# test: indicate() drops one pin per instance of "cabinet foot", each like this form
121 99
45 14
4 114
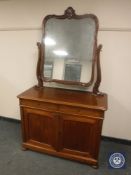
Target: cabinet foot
95 166
24 149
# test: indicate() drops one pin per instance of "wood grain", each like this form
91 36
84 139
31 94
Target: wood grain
63 123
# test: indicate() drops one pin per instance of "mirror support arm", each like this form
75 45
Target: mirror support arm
39 68
98 67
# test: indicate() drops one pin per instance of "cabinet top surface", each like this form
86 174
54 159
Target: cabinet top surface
67 97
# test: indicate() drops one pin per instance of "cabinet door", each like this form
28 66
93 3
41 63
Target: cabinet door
39 128
80 136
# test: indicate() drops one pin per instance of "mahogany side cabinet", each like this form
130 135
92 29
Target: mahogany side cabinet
63 123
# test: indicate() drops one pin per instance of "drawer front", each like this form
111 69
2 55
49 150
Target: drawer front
39 105
81 111
75 110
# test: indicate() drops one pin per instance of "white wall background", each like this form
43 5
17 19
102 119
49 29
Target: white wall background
20 29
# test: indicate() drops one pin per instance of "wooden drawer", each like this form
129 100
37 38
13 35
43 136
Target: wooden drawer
39 105
62 108
80 111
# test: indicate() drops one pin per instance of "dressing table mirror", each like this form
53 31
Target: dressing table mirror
68 52
59 121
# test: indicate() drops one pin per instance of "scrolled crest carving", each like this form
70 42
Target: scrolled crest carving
69 12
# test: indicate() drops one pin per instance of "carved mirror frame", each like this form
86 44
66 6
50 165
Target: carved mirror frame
70 14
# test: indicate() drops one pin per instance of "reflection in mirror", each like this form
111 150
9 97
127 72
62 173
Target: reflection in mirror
48 69
72 72
69 45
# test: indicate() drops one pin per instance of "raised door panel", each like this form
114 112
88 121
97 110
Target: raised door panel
80 136
40 128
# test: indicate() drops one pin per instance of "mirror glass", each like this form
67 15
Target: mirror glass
69 45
